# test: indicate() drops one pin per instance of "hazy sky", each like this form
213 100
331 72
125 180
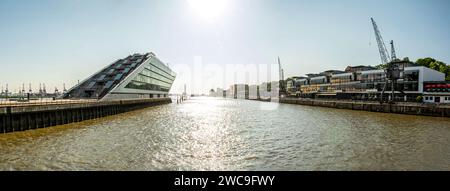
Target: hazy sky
62 41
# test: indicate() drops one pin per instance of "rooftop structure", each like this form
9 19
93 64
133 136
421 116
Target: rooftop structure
359 68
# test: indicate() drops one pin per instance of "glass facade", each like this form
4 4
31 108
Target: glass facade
155 77
374 77
342 79
319 80
411 75
364 82
137 76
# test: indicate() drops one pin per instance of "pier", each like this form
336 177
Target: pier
26 116
436 110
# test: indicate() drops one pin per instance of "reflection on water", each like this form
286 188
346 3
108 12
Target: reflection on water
224 134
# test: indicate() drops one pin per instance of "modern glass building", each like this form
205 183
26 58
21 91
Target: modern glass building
134 77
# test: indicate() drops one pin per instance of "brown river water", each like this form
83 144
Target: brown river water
226 134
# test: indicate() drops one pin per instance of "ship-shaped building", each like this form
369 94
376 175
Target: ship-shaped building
137 76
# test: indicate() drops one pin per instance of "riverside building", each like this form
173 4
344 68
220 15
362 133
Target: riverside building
137 76
363 83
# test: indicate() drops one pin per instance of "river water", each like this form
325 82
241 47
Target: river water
226 134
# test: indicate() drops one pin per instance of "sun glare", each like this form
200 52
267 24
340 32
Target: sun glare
208 9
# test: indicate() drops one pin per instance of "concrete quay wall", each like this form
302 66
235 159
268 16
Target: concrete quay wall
22 118
400 108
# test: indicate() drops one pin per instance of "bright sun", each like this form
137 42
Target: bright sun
208 9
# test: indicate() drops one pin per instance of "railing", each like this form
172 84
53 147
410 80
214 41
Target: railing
14 103
45 101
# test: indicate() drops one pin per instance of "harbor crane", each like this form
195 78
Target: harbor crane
393 67
393 54
282 88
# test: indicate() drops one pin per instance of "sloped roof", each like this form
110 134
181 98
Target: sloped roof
102 82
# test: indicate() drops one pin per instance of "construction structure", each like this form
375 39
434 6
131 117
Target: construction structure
282 85
394 67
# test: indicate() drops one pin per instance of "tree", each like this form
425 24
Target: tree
435 65
381 66
425 61
429 63
419 99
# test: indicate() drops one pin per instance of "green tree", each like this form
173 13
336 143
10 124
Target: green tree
425 61
381 66
419 99
435 65
429 63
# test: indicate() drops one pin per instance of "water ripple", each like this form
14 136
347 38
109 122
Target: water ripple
221 134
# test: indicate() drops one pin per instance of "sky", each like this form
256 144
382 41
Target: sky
63 41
